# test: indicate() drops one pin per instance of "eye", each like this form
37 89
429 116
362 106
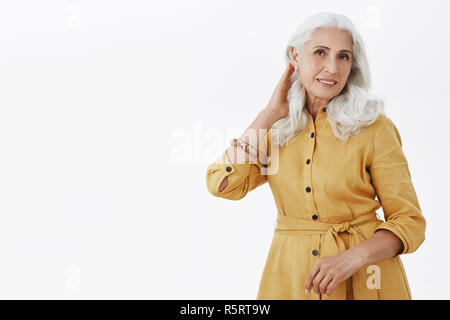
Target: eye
344 56
319 51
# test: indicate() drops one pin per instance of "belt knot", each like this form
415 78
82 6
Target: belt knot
341 227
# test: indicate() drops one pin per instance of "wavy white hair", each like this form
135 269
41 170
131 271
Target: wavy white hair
353 108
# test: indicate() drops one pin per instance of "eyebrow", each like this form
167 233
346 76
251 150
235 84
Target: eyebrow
343 50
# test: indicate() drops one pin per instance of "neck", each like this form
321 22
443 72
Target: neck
314 104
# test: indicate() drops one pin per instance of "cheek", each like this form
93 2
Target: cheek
309 73
314 67
307 78
310 66
345 71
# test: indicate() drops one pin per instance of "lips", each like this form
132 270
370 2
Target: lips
326 82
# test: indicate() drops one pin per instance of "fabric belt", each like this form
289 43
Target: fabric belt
333 244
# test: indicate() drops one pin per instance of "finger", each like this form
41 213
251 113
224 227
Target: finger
310 277
325 282
331 287
316 281
290 68
285 82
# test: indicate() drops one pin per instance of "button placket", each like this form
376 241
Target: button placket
308 176
315 243
315 125
308 161
316 246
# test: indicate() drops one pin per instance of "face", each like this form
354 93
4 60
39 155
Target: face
324 64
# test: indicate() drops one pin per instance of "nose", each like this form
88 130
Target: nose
331 65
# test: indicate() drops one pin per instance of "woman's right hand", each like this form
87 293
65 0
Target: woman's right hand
279 103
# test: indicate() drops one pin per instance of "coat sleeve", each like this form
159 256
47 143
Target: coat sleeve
242 177
392 181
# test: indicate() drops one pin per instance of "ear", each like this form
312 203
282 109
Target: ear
294 57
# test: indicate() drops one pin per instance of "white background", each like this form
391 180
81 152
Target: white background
110 112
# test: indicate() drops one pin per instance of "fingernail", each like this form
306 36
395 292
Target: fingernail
306 291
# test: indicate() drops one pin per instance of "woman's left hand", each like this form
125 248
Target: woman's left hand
328 272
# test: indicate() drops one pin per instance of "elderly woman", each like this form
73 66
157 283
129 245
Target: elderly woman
327 150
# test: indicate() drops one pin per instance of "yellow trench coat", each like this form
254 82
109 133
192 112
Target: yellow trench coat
324 190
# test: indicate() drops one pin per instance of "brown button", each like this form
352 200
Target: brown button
315 252
314 216
308 161
312 134
308 189
228 169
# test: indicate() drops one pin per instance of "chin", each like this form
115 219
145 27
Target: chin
325 95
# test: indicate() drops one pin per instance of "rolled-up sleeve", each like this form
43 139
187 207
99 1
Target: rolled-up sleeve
391 179
242 177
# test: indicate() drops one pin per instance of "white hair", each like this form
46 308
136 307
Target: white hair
353 108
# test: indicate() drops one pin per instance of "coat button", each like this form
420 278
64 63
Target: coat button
315 252
308 189
228 169
314 216
312 134
308 161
